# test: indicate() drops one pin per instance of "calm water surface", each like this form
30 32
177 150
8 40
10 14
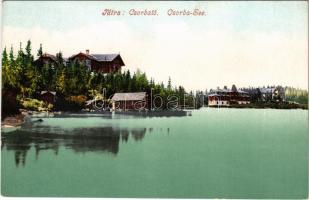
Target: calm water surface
215 153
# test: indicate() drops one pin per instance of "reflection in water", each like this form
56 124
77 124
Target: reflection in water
138 134
98 139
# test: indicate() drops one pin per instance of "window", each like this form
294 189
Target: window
88 64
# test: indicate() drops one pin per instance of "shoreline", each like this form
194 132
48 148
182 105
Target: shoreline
13 121
284 106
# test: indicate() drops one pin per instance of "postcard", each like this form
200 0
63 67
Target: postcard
154 99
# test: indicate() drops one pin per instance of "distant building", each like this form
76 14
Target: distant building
273 93
106 63
46 59
48 97
130 101
226 97
49 59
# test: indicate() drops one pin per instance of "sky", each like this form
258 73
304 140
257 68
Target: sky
242 43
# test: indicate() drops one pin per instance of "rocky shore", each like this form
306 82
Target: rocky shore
13 121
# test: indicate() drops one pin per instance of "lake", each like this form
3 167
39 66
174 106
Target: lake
215 153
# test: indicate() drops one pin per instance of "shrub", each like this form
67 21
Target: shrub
50 106
71 103
79 100
35 105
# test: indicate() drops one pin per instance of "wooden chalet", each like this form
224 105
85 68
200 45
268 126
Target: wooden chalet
49 59
46 59
106 63
226 97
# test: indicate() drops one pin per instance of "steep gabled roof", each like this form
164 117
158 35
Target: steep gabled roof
88 56
107 57
134 96
50 56
229 90
52 92
46 55
242 92
104 57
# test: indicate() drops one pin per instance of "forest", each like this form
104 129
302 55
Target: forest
23 80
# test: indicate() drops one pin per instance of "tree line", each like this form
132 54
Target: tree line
23 78
296 95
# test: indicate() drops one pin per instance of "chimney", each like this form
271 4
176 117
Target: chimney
87 51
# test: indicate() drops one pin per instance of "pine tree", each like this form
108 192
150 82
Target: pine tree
28 56
20 57
169 84
40 51
5 60
60 83
59 59
234 89
11 57
128 83
46 76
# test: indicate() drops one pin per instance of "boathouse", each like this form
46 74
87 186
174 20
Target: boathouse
130 101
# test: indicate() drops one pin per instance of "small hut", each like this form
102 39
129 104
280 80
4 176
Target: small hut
48 96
